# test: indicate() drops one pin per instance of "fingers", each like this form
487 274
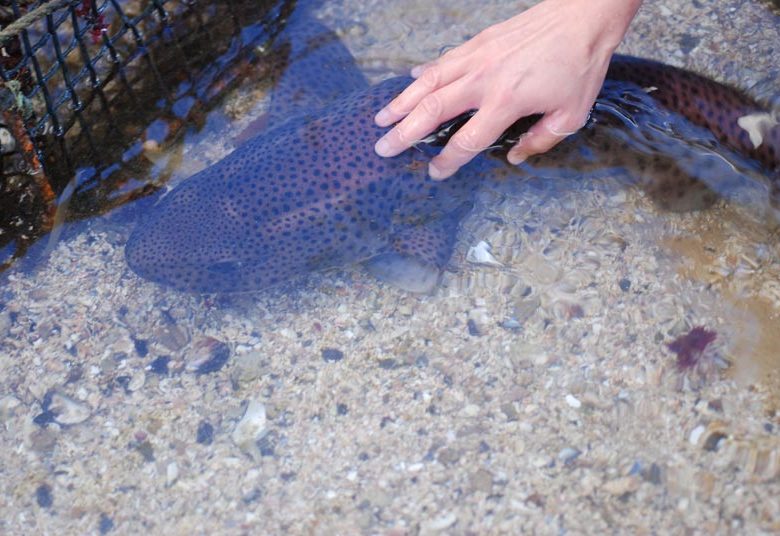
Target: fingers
432 77
543 136
433 110
474 137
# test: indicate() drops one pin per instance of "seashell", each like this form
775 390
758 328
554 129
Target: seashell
758 457
480 254
66 410
251 426
208 355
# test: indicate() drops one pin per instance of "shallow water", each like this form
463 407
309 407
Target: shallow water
533 394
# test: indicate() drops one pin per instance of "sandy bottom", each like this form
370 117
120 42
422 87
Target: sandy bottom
534 394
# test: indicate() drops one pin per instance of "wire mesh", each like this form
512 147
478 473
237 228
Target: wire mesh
82 82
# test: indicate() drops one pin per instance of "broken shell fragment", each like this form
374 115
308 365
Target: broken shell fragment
480 254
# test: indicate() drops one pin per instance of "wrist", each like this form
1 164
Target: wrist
613 17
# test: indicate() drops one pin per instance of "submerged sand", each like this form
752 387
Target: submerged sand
534 394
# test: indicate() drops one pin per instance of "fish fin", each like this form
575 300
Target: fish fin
315 68
418 254
405 273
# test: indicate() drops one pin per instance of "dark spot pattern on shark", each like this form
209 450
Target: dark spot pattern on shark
309 193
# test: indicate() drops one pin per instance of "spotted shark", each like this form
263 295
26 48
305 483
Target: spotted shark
308 193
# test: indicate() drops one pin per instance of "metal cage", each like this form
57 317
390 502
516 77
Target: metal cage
81 81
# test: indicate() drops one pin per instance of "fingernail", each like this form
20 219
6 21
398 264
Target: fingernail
417 70
436 173
383 118
382 147
516 158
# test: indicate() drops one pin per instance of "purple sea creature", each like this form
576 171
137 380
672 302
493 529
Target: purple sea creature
690 347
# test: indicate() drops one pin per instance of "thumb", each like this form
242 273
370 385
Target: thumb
543 136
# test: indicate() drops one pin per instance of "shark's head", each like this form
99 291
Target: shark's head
192 239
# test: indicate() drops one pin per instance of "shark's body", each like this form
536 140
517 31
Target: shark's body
309 193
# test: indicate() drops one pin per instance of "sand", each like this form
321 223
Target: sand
534 394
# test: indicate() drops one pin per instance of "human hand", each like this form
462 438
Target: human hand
550 59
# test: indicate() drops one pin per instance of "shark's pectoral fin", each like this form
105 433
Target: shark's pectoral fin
418 254
406 273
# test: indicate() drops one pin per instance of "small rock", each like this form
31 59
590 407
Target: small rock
573 401
141 347
341 409
160 365
8 405
696 433
251 427
387 364
568 455
448 456
508 409
5 323
472 327
511 324
439 524
622 485
106 524
524 309
267 444
331 355
208 355
171 337
43 441
43 496
137 382
652 474
250 366
205 433
146 450
624 284
171 474
482 481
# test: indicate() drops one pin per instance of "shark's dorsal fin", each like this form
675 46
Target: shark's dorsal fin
315 68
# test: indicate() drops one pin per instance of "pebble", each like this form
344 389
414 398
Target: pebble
696 433
106 524
511 324
573 401
205 433
160 365
5 323
482 480
251 426
141 347
624 284
171 474
439 524
331 355
524 309
137 381
569 454
43 441
472 327
7 406
448 456
171 337
622 485
43 496
250 366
